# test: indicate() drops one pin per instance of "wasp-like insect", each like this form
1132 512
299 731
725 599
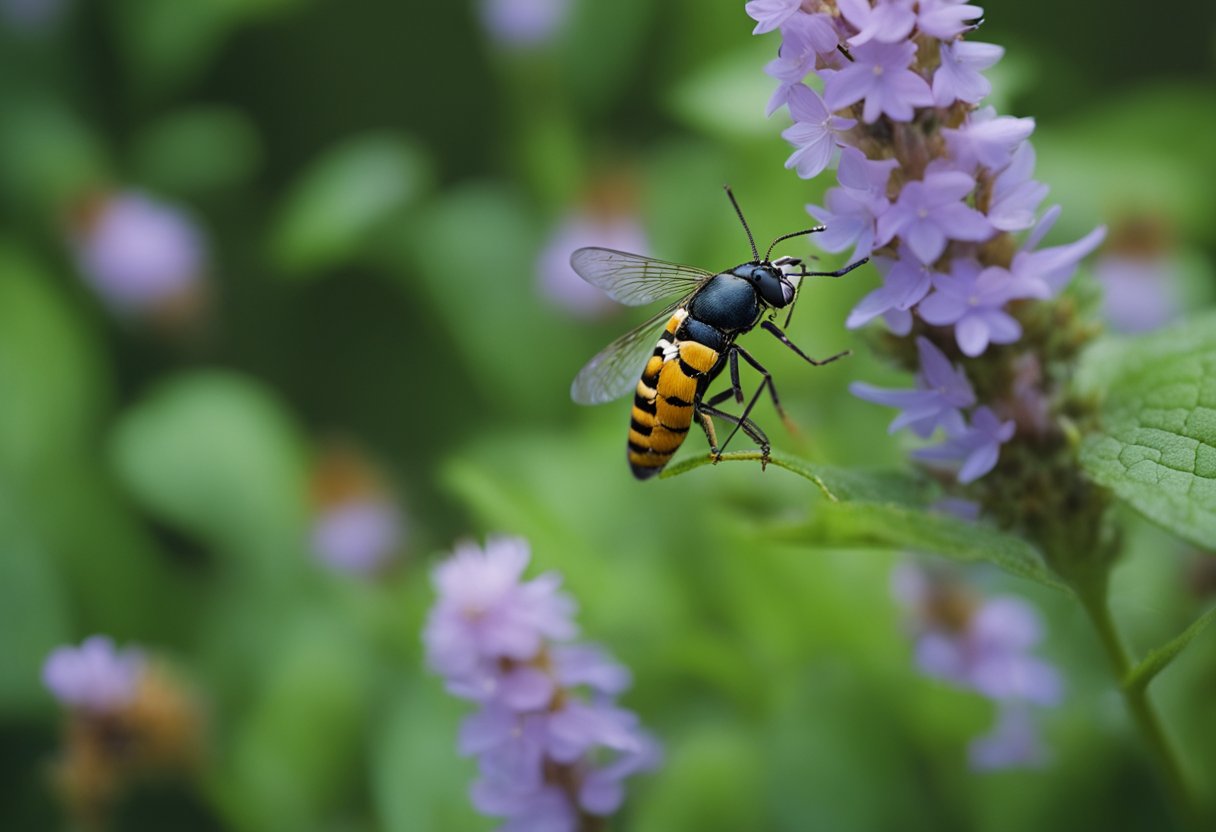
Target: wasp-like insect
698 341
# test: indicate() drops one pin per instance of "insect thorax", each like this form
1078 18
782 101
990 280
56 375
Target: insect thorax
726 302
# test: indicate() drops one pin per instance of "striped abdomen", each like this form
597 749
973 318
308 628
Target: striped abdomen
675 376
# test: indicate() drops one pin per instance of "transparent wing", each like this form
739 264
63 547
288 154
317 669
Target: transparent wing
615 370
633 279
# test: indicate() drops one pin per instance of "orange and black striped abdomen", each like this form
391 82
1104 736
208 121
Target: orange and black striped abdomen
675 376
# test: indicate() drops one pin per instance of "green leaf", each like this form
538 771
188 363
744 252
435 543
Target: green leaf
884 525
1157 445
343 198
218 455
1159 658
888 509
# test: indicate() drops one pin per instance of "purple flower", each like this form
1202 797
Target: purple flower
931 212
138 252
973 302
486 614
942 390
769 14
1015 196
523 23
905 283
880 76
814 132
358 536
558 282
975 448
887 21
959 77
1054 266
803 38
94 677
1012 743
987 140
851 210
944 19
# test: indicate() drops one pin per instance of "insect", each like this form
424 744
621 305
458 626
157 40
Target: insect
697 342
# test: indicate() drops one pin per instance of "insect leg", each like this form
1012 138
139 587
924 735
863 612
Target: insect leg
783 338
742 421
707 425
749 427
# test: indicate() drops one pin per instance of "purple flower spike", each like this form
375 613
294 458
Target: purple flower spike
959 77
814 132
929 213
804 37
95 676
976 448
887 21
987 140
880 76
1015 196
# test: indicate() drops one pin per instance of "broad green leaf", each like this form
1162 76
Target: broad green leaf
1157 445
196 150
343 197
1159 658
885 525
217 454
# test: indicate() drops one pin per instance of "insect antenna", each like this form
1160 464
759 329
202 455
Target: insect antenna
750 239
784 237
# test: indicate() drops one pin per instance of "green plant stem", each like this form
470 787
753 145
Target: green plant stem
1093 597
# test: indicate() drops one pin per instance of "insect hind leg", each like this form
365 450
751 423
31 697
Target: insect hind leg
753 431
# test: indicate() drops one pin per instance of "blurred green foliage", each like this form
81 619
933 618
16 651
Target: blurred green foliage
155 486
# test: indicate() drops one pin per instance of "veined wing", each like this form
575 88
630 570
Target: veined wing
616 368
632 279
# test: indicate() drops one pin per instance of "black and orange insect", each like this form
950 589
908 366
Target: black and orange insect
698 341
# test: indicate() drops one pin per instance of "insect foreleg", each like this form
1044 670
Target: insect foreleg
783 338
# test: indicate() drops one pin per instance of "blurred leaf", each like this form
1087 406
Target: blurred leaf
296 750
1157 445
217 454
1159 659
343 197
168 43
727 94
892 526
601 52
48 156
33 616
419 784
51 379
196 150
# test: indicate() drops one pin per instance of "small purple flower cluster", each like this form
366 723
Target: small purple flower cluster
553 747
95 677
929 186
982 645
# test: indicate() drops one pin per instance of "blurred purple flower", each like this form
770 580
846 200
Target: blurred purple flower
1012 743
95 676
814 132
769 14
975 447
1140 293
551 743
523 23
558 281
931 212
942 391
138 252
358 536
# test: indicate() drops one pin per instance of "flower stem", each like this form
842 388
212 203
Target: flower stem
1093 597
